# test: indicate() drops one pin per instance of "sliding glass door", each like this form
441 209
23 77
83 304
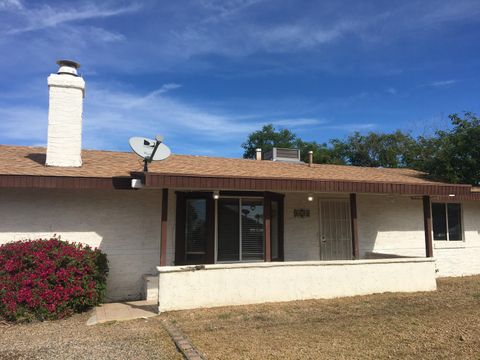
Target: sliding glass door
232 228
196 229
252 230
228 230
240 229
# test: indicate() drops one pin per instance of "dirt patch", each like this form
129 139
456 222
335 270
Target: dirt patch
73 339
430 325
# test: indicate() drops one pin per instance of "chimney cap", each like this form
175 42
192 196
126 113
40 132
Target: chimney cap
68 67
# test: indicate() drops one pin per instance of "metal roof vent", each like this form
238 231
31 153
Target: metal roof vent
280 154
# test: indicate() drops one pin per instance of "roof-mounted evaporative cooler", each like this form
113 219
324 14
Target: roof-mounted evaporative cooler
280 154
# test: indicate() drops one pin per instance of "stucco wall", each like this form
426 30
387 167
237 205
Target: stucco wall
124 224
238 284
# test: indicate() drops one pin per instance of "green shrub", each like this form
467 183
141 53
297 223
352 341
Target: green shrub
49 279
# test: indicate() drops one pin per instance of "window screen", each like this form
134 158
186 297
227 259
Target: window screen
252 229
454 222
240 229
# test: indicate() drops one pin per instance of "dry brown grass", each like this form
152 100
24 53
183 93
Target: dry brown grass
437 325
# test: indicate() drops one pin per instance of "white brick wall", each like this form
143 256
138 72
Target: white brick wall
464 260
387 224
301 241
301 235
124 224
394 225
390 225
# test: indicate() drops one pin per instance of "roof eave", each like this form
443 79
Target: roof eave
187 181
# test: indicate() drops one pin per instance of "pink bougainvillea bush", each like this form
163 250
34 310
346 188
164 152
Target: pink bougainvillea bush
49 279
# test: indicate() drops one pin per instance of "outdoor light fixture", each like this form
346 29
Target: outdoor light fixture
310 198
451 195
216 195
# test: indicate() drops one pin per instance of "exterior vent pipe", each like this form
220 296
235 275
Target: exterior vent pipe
310 158
258 154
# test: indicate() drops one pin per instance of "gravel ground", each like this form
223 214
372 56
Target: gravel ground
73 339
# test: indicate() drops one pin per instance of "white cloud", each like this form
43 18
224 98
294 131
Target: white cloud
300 122
122 113
8 5
350 127
283 37
46 16
242 38
442 83
105 35
452 11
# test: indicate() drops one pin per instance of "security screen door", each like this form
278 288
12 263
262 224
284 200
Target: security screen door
335 231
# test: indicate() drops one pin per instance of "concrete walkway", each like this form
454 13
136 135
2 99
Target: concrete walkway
123 311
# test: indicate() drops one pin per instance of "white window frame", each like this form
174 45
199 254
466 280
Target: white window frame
240 260
448 241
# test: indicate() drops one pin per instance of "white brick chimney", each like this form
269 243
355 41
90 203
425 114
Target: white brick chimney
66 92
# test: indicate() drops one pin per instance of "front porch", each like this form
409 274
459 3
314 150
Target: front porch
215 227
224 248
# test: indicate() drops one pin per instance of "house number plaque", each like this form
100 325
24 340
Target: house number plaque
301 213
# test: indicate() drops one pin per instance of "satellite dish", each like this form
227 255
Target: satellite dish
150 150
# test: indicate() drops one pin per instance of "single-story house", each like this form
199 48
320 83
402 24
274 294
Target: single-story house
196 231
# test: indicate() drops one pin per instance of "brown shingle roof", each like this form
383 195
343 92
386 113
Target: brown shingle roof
24 160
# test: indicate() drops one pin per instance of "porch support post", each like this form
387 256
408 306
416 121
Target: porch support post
427 225
266 220
163 231
354 225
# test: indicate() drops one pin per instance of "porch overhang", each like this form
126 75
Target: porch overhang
187 181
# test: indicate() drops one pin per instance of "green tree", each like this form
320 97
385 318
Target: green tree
322 153
393 150
453 155
267 138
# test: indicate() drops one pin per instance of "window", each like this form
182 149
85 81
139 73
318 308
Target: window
240 229
447 221
196 229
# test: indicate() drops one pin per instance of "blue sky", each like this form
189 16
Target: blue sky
206 73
